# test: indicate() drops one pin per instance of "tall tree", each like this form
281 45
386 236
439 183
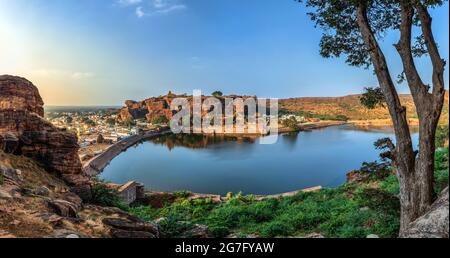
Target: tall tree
353 28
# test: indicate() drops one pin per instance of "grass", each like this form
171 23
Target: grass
347 211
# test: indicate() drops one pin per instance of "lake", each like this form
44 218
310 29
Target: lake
218 164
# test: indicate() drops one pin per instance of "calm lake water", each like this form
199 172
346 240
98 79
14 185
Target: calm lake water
220 164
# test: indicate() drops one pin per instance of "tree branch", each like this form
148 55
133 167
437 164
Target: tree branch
436 60
415 83
396 110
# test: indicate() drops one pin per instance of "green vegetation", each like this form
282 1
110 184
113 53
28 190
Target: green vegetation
88 121
441 135
111 121
129 123
441 169
107 196
161 119
347 211
1 179
217 93
372 98
312 115
291 123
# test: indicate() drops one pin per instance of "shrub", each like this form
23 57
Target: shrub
441 169
291 123
441 135
161 119
106 196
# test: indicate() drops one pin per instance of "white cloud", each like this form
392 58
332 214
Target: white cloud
139 12
152 7
82 75
128 2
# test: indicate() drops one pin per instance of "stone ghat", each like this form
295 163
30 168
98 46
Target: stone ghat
96 165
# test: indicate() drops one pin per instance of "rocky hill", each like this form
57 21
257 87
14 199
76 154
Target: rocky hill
348 106
43 192
157 109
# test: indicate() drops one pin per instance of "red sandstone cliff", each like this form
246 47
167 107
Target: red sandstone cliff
23 131
156 107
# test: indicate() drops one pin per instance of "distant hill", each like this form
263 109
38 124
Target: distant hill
349 106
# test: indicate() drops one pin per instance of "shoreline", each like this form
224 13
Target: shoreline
95 165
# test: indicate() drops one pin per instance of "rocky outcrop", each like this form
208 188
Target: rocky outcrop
435 222
18 93
131 227
23 131
157 108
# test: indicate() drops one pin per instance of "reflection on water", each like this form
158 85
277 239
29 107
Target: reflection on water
197 141
221 164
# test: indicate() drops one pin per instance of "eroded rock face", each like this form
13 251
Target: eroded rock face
435 223
18 93
23 131
159 107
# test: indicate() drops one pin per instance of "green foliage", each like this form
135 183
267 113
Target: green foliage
181 194
217 94
88 121
161 119
107 196
291 123
111 121
390 185
441 169
441 135
342 36
2 180
332 212
129 122
372 98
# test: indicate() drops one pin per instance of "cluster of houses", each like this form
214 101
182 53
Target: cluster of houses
300 119
88 126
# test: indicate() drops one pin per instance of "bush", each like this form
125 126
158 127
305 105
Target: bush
106 196
441 135
161 119
291 123
441 169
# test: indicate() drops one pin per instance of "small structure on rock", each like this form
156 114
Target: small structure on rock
129 192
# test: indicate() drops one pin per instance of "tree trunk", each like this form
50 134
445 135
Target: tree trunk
415 174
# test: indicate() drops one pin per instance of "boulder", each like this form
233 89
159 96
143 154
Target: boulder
80 185
197 231
357 176
9 142
131 227
11 176
67 207
18 93
434 223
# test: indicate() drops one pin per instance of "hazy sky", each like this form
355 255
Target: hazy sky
85 52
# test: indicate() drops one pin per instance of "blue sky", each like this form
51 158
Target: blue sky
84 52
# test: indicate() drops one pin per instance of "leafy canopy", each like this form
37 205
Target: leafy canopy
341 36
